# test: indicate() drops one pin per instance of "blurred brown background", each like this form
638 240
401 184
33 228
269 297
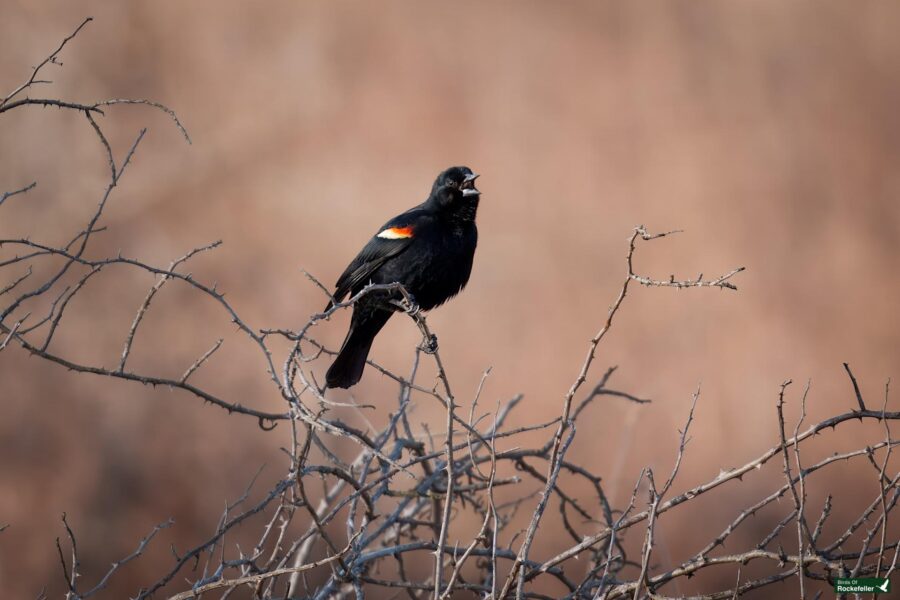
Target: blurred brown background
768 131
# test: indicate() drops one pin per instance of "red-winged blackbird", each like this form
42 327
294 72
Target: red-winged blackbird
429 249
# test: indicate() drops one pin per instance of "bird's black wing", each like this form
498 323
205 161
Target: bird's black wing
392 238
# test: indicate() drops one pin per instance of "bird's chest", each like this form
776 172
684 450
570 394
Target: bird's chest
444 266
449 247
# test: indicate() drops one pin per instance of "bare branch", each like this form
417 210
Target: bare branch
859 398
23 190
50 59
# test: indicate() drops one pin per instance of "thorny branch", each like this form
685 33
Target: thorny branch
332 527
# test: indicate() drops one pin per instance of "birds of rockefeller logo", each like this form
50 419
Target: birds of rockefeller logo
862 585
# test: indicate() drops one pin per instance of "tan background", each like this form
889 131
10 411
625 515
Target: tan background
769 131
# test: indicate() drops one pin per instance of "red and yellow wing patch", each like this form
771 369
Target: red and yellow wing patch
396 233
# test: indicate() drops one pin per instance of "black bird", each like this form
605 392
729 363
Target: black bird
429 249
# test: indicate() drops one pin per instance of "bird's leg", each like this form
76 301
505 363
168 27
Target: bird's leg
408 305
412 307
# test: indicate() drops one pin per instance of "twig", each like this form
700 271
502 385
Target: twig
23 190
859 398
50 59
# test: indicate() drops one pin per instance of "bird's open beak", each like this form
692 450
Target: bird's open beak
468 186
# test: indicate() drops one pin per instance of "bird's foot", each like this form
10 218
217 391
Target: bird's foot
410 306
407 305
429 345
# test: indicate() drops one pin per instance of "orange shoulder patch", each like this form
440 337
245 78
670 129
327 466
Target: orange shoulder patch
396 233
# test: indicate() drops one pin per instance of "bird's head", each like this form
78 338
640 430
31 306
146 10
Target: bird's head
461 179
454 191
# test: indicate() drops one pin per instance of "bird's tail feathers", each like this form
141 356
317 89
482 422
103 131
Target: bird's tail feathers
347 368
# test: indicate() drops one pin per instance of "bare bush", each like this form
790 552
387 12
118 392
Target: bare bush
332 527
